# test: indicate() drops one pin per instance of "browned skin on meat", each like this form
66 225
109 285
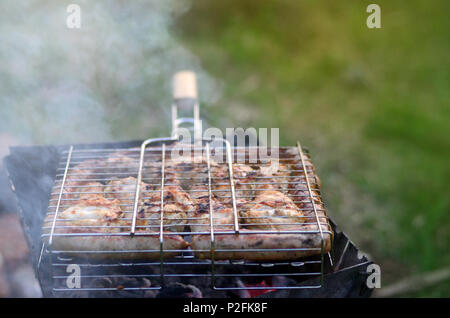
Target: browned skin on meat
271 210
222 215
275 173
89 216
72 194
176 203
243 177
298 189
79 179
187 170
124 189
177 207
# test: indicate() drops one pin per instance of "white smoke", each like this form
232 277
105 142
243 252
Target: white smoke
108 80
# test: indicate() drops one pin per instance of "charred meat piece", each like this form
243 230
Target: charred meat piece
177 206
179 290
187 170
96 215
80 183
118 165
271 210
244 179
72 193
274 175
125 190
298 188
200 219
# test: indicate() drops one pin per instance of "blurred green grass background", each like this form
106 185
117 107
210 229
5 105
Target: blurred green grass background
372 105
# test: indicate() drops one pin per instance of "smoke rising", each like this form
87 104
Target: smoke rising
108 80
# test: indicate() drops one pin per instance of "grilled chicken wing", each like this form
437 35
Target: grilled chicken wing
72 193
201 222
92 215
125 190
244 178
271 210
177 205
274 174
79 183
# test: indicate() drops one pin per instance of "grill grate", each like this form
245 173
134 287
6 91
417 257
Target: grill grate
155 168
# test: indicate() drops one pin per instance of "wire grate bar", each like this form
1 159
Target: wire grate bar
232 186
69 156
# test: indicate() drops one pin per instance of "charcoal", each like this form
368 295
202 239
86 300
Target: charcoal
179 290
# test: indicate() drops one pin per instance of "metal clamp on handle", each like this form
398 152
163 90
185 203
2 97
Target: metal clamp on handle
185 97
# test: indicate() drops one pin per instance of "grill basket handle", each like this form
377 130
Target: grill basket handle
184 85
185 98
